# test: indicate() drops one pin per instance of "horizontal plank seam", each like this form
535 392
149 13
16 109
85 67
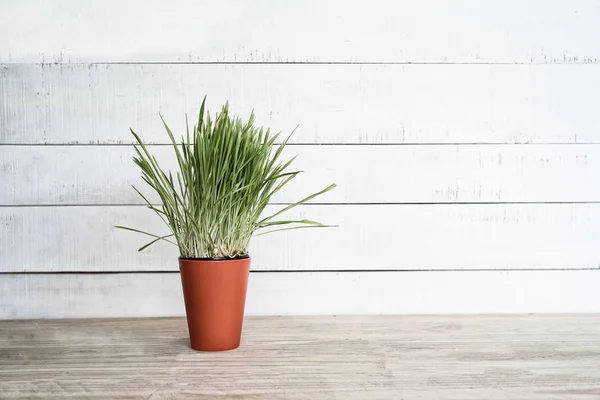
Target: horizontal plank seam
468 203
578 61
301 271
408 144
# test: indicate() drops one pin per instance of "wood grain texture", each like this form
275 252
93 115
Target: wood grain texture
48 175
386 357
300 31
24 296
331 103
368 237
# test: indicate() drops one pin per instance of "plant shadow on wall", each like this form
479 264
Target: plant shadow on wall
214 204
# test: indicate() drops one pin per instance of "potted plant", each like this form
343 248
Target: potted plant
213 205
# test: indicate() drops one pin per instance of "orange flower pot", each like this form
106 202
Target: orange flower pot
214 292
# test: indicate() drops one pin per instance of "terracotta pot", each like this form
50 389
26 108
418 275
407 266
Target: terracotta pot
215 295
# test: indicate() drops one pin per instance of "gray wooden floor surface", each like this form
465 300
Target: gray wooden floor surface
376 357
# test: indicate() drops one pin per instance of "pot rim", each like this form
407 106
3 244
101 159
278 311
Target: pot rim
215 258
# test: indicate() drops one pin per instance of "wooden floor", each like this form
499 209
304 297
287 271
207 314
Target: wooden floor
378 357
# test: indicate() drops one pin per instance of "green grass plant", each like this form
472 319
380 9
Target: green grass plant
228 172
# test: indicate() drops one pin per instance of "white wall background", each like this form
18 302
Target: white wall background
464 137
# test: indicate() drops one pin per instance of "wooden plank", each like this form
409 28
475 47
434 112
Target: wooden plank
383 357
369 237
332 103
301 31
307 293
42 175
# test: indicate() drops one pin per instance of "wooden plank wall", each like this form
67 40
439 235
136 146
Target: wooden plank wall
464 138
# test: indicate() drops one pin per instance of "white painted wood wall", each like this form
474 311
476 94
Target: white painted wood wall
464 137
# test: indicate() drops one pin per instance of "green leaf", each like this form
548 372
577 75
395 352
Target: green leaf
145 233
295 227
154 241
300 221
304 200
